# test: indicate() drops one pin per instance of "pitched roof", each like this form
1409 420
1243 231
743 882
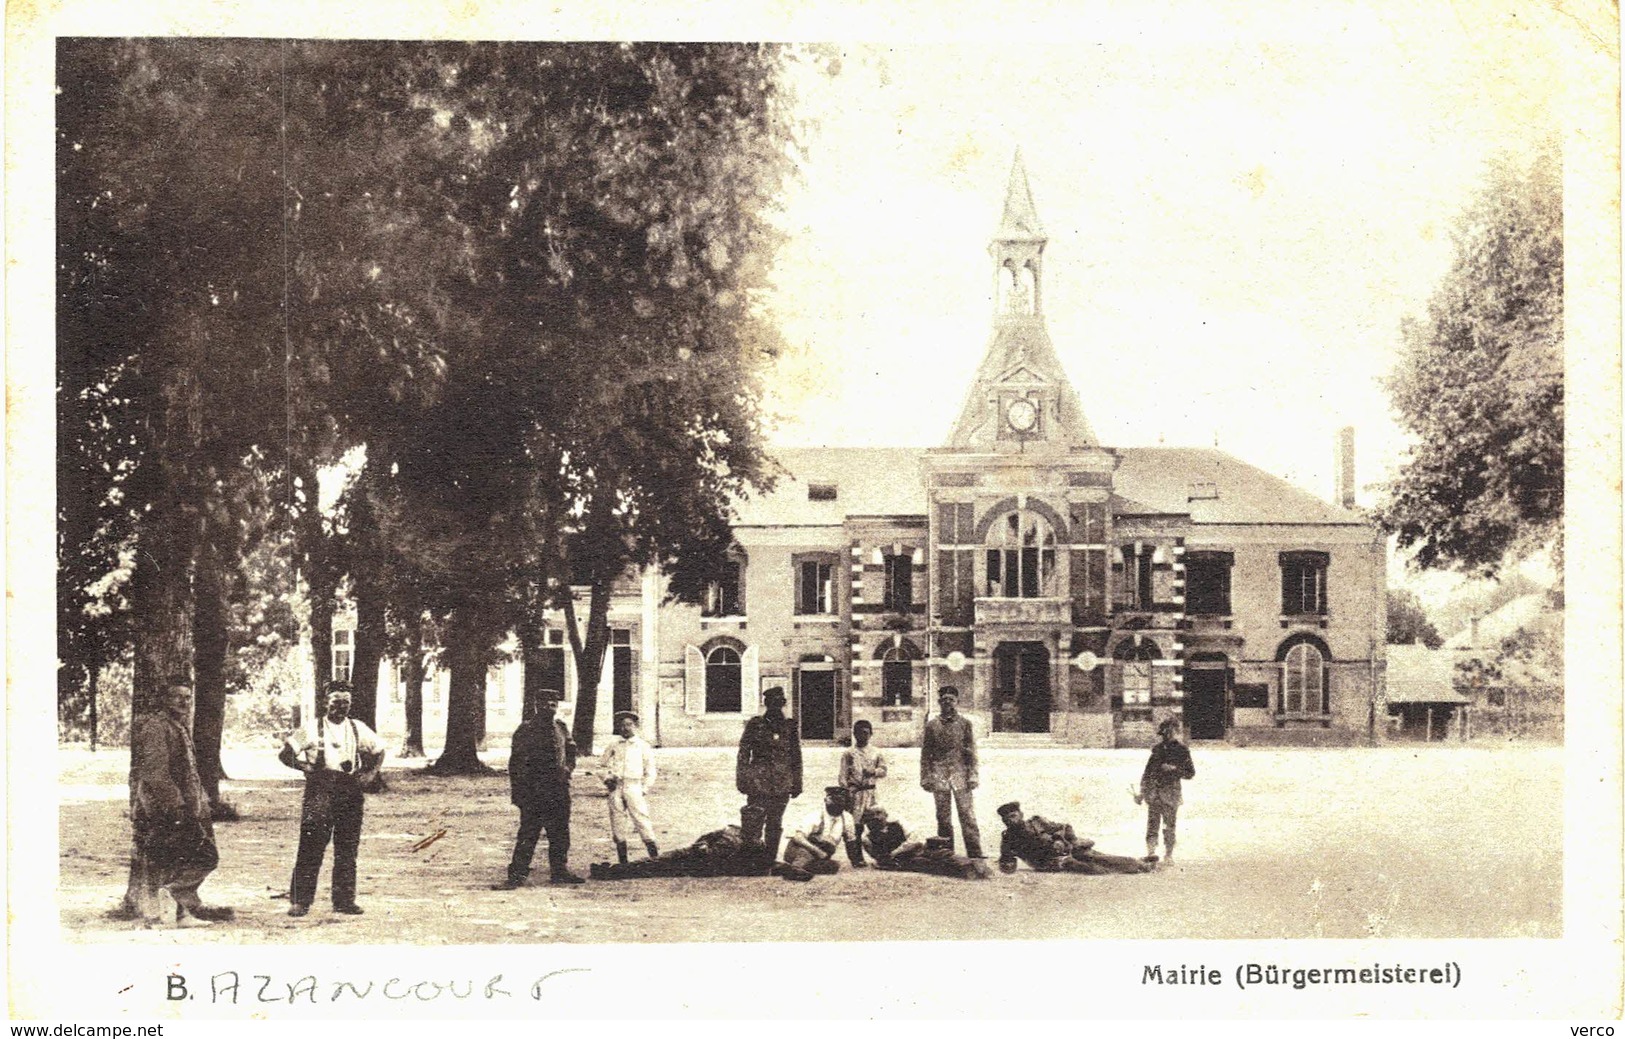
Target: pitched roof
1164 480
1504 621
890 481
1417 674
869 481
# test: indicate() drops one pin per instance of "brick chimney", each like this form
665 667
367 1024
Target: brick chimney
1343 465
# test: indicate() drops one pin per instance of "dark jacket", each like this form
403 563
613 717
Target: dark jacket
948 754
1162 786
1039 843
769 758
539 768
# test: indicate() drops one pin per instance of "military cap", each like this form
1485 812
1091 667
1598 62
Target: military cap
626 714
775 692
863 723
939 843
1009 806
948 690
339 685
837 792
1168 725
548 696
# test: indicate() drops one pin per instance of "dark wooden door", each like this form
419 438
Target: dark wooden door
817 711
1021 687
1204 702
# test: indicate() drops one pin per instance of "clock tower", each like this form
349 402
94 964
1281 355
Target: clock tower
1021 399
1020 516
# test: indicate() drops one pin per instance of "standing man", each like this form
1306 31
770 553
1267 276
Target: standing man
1161 788
768 773
862 766
539 770
629 772
174 835
948 770
338 756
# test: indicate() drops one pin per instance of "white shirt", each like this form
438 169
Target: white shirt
630 760
338 743
832 829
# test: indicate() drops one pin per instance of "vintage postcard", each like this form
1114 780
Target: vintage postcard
1050 510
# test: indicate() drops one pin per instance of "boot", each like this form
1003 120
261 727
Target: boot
620 851
557 860
653 849
1168 854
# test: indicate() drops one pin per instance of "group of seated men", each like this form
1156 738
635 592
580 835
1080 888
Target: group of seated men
810 849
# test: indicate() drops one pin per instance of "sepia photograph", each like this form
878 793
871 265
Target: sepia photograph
1106 489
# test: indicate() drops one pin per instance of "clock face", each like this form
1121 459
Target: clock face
1022 415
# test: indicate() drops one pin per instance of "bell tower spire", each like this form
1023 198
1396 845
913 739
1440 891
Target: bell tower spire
1021 400
1018 250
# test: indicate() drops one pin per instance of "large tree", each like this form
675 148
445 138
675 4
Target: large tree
1480 385
1408 622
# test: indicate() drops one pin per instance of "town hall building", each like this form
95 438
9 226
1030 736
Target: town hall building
1074 593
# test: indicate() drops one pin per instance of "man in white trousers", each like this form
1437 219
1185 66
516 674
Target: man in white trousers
629 772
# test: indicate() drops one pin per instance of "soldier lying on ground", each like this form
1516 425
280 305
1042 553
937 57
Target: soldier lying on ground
1053 848
720 853
894 846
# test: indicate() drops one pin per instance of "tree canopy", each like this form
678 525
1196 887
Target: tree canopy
520 281
1480 384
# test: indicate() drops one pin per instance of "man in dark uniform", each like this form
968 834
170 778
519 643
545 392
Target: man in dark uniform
174 836
1051 847
539 770
720 853
948 770
768 773
1161 789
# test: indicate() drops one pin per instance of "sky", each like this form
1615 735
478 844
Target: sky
1240 210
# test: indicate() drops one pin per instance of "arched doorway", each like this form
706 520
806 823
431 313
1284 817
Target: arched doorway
1021 687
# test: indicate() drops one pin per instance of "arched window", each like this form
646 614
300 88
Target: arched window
723 681
1138 675
1021 556
897 674
1303 687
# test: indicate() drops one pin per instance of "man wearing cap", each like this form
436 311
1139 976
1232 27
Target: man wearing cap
811 848
169 813
948 769
1052 847
539 768
768 773
894 846
1161 787
629 772
339 756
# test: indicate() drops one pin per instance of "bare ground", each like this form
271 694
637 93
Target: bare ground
1394 842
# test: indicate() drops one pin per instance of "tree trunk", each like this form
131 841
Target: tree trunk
531 645
209 647
323 592
368 650
466 649
161 619
414 688
589 654
95 687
